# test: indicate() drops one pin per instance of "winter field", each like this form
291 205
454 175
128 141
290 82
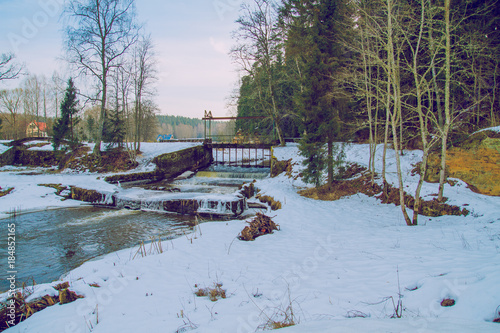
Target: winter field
341 266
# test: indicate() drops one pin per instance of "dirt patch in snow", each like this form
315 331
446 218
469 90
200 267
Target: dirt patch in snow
386 193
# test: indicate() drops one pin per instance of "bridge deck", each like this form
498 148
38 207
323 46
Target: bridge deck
240 145
241 154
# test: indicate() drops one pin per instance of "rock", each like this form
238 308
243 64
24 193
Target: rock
448 302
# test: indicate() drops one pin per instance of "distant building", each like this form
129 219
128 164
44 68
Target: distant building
36 129
164 137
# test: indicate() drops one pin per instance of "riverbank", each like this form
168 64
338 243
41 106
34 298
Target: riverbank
28 196
332 267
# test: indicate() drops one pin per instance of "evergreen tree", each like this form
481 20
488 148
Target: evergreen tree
315 36
114 129
64 127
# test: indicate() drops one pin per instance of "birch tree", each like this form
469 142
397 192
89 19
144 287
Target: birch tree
258 38
98 35
144 75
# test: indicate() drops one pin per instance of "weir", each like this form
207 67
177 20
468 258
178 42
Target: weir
218 165
256 155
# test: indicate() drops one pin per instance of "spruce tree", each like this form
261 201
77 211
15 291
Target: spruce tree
65 125
315 37
114 129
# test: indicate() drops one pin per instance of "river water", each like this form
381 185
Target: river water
53 242
50 243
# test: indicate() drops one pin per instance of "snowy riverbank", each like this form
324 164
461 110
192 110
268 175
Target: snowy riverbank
331 262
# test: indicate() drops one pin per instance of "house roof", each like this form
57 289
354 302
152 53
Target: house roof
41 126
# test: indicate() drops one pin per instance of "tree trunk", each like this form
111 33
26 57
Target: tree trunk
447 102
493 95
330 160
396 115
97 148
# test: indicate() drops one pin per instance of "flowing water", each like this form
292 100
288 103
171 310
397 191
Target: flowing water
53 242
50 243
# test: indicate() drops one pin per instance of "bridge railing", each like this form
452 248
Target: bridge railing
242 139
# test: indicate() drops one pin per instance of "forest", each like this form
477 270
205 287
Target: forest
412 74
418 74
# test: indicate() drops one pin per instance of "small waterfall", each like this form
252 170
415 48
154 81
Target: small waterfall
192 198
233 206
152 205
216 205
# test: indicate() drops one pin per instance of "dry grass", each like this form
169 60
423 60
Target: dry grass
5 192
274 204
59 187
388 194
155 247
214 293
23 310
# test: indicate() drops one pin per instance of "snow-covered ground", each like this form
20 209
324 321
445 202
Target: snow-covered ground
27 196
339 266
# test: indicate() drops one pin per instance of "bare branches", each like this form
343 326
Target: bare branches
9 70
98 35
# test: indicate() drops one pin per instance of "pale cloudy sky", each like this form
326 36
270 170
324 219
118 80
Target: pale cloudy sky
192 39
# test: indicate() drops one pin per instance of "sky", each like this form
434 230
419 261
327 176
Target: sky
192 39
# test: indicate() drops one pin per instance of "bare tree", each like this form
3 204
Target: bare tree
33 99
11 101
9 70
57 84
259 45
144 75
98 35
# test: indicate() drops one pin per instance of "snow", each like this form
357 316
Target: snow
3 147
494 129
330 261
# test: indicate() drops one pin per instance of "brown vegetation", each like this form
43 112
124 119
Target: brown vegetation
248 190
448 302
214 293
260 225
21 310
274 204
278 167
476 161
5 192
387 193
113 160
91 196
58 187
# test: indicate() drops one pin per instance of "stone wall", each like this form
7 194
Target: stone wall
476 161
8 157
20 155
191 159
170 165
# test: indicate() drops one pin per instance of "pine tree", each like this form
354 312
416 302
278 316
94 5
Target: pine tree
316 29
114 129
64 127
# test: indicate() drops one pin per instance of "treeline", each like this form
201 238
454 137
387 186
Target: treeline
415 74
85 125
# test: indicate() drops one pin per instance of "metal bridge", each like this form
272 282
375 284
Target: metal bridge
238 150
